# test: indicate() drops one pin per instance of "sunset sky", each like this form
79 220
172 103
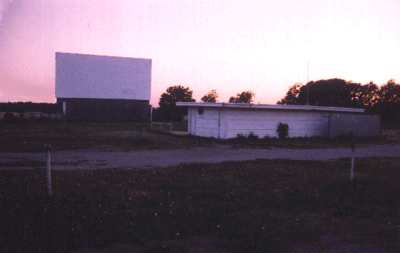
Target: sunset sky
227 45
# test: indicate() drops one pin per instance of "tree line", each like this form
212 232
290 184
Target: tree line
383 100
168 111
22 107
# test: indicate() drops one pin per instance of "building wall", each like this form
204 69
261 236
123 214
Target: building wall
265 123
228 123
361 125
102 77
104 109
203 123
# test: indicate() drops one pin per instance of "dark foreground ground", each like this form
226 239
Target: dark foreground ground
259 206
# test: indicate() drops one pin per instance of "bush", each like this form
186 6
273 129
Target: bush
247 137
283 130
241 137
252 137
10 117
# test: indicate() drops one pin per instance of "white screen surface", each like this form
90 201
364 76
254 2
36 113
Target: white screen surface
102 77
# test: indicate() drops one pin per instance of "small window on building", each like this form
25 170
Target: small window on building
201 111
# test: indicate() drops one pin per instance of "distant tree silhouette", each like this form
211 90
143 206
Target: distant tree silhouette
331 92
292 95
390 93
29 107
210 97
168 110
337 92
366 96
243 97
389 104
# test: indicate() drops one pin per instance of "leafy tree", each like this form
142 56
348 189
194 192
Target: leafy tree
337 92
390 93
168 109
389 104
366 96
331 92
292 95
243 97
210 97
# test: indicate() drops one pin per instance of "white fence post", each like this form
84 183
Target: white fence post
48 172
352 166
352 169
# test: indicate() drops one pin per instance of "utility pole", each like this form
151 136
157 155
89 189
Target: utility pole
307 86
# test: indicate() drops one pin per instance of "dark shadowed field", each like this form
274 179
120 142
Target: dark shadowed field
31 136
260 206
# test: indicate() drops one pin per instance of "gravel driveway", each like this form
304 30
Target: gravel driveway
90 159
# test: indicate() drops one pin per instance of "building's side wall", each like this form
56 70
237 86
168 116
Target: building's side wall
104 109
361 125
265 123
205 123
102 77
228 123
192 121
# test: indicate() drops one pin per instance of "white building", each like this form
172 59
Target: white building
106 88
226 120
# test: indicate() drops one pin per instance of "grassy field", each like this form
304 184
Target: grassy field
260 206
31 136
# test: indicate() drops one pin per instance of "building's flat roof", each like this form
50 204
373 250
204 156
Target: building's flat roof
271 107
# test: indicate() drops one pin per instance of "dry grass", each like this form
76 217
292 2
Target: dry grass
392 135
31 136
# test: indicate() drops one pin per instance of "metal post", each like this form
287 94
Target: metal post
308 86
352 169
48 172
219 123
151 114
352 166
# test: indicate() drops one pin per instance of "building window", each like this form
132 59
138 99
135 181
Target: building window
201 111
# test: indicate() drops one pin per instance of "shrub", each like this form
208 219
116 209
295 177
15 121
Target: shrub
246 137
241 137
10 117
283 130
252 137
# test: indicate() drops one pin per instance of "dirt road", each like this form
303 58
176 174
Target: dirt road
90 159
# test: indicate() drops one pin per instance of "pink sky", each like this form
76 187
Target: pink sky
228 45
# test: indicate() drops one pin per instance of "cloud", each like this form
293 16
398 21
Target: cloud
4 4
